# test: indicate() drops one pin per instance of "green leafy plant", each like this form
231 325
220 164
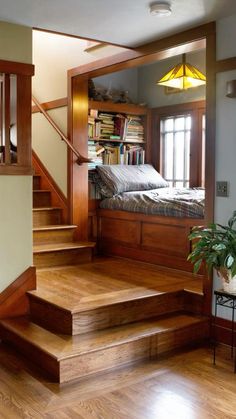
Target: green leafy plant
216 246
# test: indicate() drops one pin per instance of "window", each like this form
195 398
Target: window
179 149
175 148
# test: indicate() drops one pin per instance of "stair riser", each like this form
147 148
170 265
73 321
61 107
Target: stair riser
57 320
41 199
46 217
53 236
47 363
140 349
36 182
62 257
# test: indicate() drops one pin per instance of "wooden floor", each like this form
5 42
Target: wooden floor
186 386
84 286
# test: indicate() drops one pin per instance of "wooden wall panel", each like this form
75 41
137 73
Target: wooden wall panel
165 238
120 230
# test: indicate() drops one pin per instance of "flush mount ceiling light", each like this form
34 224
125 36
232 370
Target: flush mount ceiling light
160 9
183 76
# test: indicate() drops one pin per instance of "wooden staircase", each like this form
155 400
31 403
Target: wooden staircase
94 317
90 317
53 241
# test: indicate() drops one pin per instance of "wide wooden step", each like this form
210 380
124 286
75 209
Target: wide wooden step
98 312
41 198
46 216
53 234
60 254
67 358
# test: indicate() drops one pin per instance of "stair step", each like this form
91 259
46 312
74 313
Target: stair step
46 216
41 198
53 234
67 358
60 254
66 315
36 182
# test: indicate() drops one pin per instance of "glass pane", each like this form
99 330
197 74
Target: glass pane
203 122
187 154
168 153
179 184
179 123
179 155
169 124
188 122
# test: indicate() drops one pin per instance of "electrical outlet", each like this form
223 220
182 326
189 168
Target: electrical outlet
222 188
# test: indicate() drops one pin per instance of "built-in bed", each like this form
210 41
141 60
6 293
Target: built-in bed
141 217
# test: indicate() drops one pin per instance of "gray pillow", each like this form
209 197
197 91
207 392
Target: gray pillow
124 178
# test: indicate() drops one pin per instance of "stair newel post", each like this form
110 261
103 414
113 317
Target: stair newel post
78 174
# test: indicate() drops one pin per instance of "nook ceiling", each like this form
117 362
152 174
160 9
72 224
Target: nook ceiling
125 22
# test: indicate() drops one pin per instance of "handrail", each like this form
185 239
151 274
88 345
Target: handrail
80 159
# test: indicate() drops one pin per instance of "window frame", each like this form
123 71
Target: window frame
195 110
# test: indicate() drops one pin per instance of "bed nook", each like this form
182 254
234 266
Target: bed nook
148 183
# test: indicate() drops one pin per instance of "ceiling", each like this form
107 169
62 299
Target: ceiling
124 22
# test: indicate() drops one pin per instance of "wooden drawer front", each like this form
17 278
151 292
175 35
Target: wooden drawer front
120 230
166 238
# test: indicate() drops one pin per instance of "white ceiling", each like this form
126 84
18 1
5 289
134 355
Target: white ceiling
125 22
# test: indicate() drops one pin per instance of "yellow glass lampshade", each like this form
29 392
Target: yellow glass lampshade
183 76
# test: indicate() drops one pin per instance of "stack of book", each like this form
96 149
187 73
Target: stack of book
134 129
106 126
95 152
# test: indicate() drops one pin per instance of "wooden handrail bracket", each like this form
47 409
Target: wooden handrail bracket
80 159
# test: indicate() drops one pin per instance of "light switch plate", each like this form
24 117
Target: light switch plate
222 188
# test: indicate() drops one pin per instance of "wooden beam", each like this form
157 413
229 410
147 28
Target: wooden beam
13 67
23 124
78 187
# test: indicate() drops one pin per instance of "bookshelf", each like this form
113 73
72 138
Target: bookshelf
117 133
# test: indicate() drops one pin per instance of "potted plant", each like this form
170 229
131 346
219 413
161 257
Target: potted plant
216 246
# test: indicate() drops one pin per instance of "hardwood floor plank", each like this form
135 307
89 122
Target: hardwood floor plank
187 385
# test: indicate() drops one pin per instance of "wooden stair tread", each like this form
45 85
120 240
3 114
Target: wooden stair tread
62 347
75 304
57 247
54 227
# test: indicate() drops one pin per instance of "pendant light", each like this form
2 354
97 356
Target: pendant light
183 76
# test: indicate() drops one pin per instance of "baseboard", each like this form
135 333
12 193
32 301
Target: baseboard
221 330
13 300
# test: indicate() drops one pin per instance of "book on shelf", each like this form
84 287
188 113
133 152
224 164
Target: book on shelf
110 128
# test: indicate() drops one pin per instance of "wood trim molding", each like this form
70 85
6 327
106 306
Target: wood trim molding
52 104
13 67
48 183
225 65
13 300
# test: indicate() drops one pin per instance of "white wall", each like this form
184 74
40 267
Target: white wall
15 191
154 95
225 128
53 55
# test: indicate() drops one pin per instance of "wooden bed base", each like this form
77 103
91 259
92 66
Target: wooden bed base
150 238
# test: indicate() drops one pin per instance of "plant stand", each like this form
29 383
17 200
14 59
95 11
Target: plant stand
225 299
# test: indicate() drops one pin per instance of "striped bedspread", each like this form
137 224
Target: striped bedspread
171 202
